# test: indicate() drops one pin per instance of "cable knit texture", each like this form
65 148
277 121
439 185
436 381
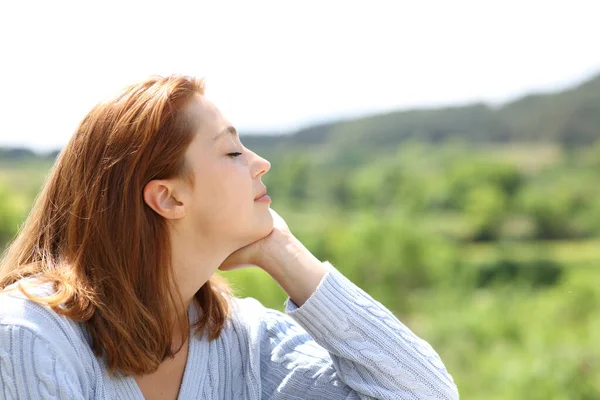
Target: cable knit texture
341 344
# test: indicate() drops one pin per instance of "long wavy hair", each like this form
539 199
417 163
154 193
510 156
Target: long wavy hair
106 252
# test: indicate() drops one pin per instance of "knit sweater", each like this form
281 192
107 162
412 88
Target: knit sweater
340 344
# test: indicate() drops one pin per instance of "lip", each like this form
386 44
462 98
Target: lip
261 195
263 199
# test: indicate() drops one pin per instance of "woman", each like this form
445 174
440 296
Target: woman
109 289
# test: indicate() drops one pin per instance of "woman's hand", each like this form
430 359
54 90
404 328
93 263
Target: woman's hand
285 258
257 253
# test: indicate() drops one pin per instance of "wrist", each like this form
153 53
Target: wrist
282 252
294 268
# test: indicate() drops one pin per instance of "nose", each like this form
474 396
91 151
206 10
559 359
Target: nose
260 166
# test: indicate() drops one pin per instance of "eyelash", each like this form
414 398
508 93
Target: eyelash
236 154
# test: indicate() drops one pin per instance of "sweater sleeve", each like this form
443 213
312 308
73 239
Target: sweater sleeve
30 368
342 344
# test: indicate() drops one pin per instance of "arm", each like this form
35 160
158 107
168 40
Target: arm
342 344
31 368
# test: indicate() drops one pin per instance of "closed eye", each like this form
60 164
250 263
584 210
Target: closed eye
236 154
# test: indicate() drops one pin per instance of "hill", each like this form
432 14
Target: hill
570 117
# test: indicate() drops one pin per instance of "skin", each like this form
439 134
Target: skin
217 224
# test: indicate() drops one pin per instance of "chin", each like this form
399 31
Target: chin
266 224
263 226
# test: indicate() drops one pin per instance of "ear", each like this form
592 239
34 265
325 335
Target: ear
160 196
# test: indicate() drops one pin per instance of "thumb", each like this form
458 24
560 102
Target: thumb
237 259
230 266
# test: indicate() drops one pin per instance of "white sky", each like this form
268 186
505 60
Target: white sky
274 66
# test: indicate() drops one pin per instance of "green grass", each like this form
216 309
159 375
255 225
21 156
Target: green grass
25 177
567 252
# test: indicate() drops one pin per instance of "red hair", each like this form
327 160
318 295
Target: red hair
106 252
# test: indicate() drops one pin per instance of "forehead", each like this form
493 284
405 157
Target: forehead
205 116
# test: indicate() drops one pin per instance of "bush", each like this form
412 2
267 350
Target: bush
537 273
12 213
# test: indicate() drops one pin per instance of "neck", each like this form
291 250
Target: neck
194 261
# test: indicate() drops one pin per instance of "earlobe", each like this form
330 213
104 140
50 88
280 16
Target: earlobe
178 212
158 195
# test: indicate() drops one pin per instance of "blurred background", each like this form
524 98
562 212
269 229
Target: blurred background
445 156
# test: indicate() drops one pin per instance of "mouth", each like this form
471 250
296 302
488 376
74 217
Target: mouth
261 194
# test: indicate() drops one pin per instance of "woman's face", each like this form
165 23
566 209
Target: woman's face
227 180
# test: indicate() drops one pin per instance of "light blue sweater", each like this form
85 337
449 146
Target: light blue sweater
341 344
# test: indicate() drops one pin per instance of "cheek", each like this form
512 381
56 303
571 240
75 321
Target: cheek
226 192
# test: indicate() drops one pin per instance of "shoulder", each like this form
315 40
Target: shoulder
247 309
20 314
39 345
247 315
260 323
251 312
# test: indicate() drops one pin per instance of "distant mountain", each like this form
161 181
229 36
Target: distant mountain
570 117
10 153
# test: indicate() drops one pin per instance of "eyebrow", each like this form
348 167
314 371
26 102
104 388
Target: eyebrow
229 129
